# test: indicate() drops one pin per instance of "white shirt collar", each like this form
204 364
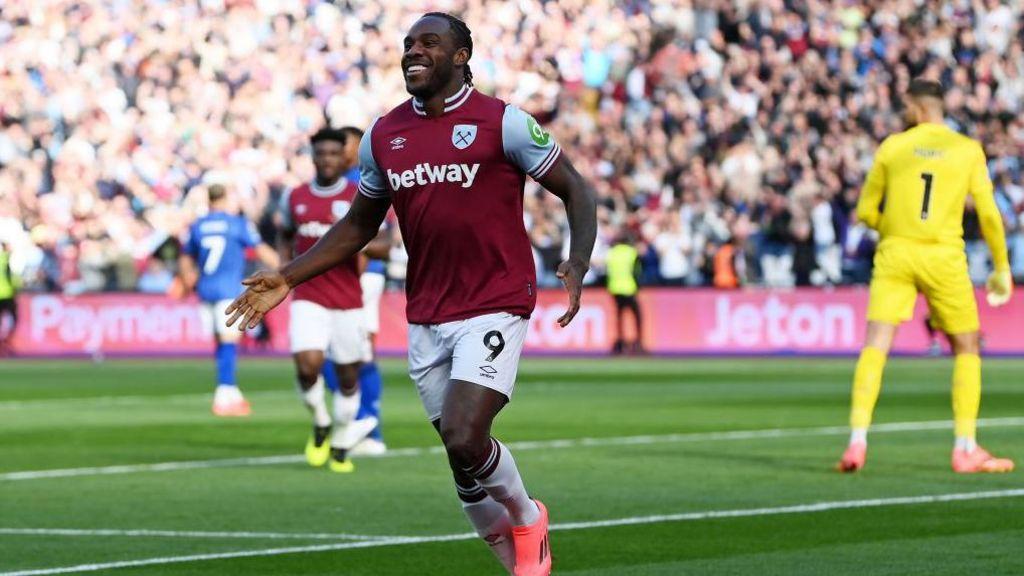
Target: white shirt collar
450 103
328 191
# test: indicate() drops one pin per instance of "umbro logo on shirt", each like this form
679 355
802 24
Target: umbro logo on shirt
398 143
427 173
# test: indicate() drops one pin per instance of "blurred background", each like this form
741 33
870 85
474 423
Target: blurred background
727 140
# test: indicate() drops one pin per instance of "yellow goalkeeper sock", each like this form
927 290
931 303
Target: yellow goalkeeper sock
867 382
966 394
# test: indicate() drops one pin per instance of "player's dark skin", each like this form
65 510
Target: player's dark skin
468 409
330 159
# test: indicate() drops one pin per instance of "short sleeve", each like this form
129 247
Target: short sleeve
250 235
284 210
526 144
371 180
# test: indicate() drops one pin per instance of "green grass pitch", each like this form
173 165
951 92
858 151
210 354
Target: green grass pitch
649 467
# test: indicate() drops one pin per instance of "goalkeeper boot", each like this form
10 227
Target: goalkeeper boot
854 457
979 460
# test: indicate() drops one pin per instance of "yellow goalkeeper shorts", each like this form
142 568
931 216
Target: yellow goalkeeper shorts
905 267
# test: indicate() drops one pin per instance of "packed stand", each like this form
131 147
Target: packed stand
726 140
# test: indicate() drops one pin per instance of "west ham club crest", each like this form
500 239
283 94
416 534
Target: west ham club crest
463 135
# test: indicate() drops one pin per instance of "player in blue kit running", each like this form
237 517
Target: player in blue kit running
213 263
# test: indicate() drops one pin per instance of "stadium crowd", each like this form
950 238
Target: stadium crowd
727 139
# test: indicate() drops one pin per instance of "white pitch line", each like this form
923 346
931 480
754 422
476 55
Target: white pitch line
796 509
157 467
204 557
127 400
633 521
767 433
146 533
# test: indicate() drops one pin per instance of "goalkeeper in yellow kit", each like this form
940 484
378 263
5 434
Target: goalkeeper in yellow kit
914 196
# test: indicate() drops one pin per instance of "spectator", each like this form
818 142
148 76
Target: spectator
717 110
826 249
777 242
672 246
157 278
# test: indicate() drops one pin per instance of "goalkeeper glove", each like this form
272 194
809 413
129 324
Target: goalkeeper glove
999 288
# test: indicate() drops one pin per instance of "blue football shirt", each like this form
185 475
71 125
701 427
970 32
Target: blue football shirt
217 242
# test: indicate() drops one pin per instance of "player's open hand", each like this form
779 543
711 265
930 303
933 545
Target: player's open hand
264 290
999 288
571 274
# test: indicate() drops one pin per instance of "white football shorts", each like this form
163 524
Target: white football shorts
373 288
483 350
214 317
340 334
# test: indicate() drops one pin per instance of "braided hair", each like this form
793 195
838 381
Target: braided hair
463 39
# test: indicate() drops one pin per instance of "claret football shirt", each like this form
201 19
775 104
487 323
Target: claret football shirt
456 184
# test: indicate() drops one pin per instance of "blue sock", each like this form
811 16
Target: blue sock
371 384
227 359
331 377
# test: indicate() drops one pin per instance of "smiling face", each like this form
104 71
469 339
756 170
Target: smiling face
431 58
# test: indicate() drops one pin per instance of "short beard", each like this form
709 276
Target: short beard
437 83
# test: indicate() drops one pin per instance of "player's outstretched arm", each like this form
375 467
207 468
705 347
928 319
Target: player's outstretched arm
580 204
267 289
869 205
267 255
187 272
999 286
